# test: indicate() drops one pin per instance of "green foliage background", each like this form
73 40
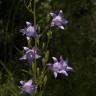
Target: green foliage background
77 42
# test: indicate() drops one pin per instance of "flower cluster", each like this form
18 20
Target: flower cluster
30 54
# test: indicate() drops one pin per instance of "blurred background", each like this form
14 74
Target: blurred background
77 43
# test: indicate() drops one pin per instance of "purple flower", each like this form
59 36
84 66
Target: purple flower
30 54
58 20
29 30
59 66
27 87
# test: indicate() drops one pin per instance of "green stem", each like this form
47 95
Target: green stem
34 15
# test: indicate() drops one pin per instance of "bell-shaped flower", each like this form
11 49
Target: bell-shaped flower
29 30
58 20
59 67
27 87
30 54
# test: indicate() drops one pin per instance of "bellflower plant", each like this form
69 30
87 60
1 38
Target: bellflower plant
58 20
30 54
59 66
39 73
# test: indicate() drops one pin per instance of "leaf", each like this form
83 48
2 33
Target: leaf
45 59
49 34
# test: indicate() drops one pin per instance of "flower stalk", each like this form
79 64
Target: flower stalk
36 85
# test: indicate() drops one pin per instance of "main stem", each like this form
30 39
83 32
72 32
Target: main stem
34 15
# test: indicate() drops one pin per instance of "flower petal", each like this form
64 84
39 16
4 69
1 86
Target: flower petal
28 23
54 59
61 27
55 74
69 68
52 14
28 83
22 82
24 57
63 72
